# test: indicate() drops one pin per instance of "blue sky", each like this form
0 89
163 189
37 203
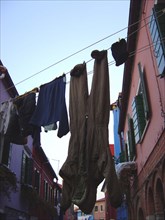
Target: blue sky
38 34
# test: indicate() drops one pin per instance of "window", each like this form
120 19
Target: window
27 168
37 180
96 208
52 195
5 151
138 117
49 193
157 30
123 156
55 197
46 190
140 109
131 139
101 208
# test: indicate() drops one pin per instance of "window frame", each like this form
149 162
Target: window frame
26 166
145 106
101 208
46 190
131 139
157 35
5 148
37 180
96 208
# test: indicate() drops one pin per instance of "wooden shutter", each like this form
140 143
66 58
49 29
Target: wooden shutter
37 180
29 170
5 152
160 19
161 28
157 30
131 138
46 190
144 92
139 120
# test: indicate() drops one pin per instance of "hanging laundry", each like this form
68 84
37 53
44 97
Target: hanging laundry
15 115
89 160
51 107
26 105
119 52
3 71
9 124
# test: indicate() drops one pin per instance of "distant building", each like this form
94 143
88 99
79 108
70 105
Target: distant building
99 211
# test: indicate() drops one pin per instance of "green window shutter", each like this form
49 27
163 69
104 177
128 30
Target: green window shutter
139 120
37 180
131 138
29 170
160 19
157 30
144 93
122 157
46 190
5 152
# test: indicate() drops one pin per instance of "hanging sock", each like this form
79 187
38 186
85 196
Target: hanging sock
98 55
77 71
119 52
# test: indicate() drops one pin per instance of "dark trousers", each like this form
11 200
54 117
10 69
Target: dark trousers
89 160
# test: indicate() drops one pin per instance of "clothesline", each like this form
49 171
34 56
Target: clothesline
110 63
162 12
36 90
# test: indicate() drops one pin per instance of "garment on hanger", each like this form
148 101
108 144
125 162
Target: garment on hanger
89 160
119 52
51 107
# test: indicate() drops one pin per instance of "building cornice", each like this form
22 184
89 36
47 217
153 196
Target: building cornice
133 24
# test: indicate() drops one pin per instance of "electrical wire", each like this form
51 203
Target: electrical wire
163 11
146 47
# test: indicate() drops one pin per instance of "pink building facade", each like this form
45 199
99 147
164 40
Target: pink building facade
142 111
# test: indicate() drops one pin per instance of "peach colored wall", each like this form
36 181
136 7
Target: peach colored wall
100 214
147 60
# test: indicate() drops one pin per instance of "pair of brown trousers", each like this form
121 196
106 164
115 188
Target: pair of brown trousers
89 160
